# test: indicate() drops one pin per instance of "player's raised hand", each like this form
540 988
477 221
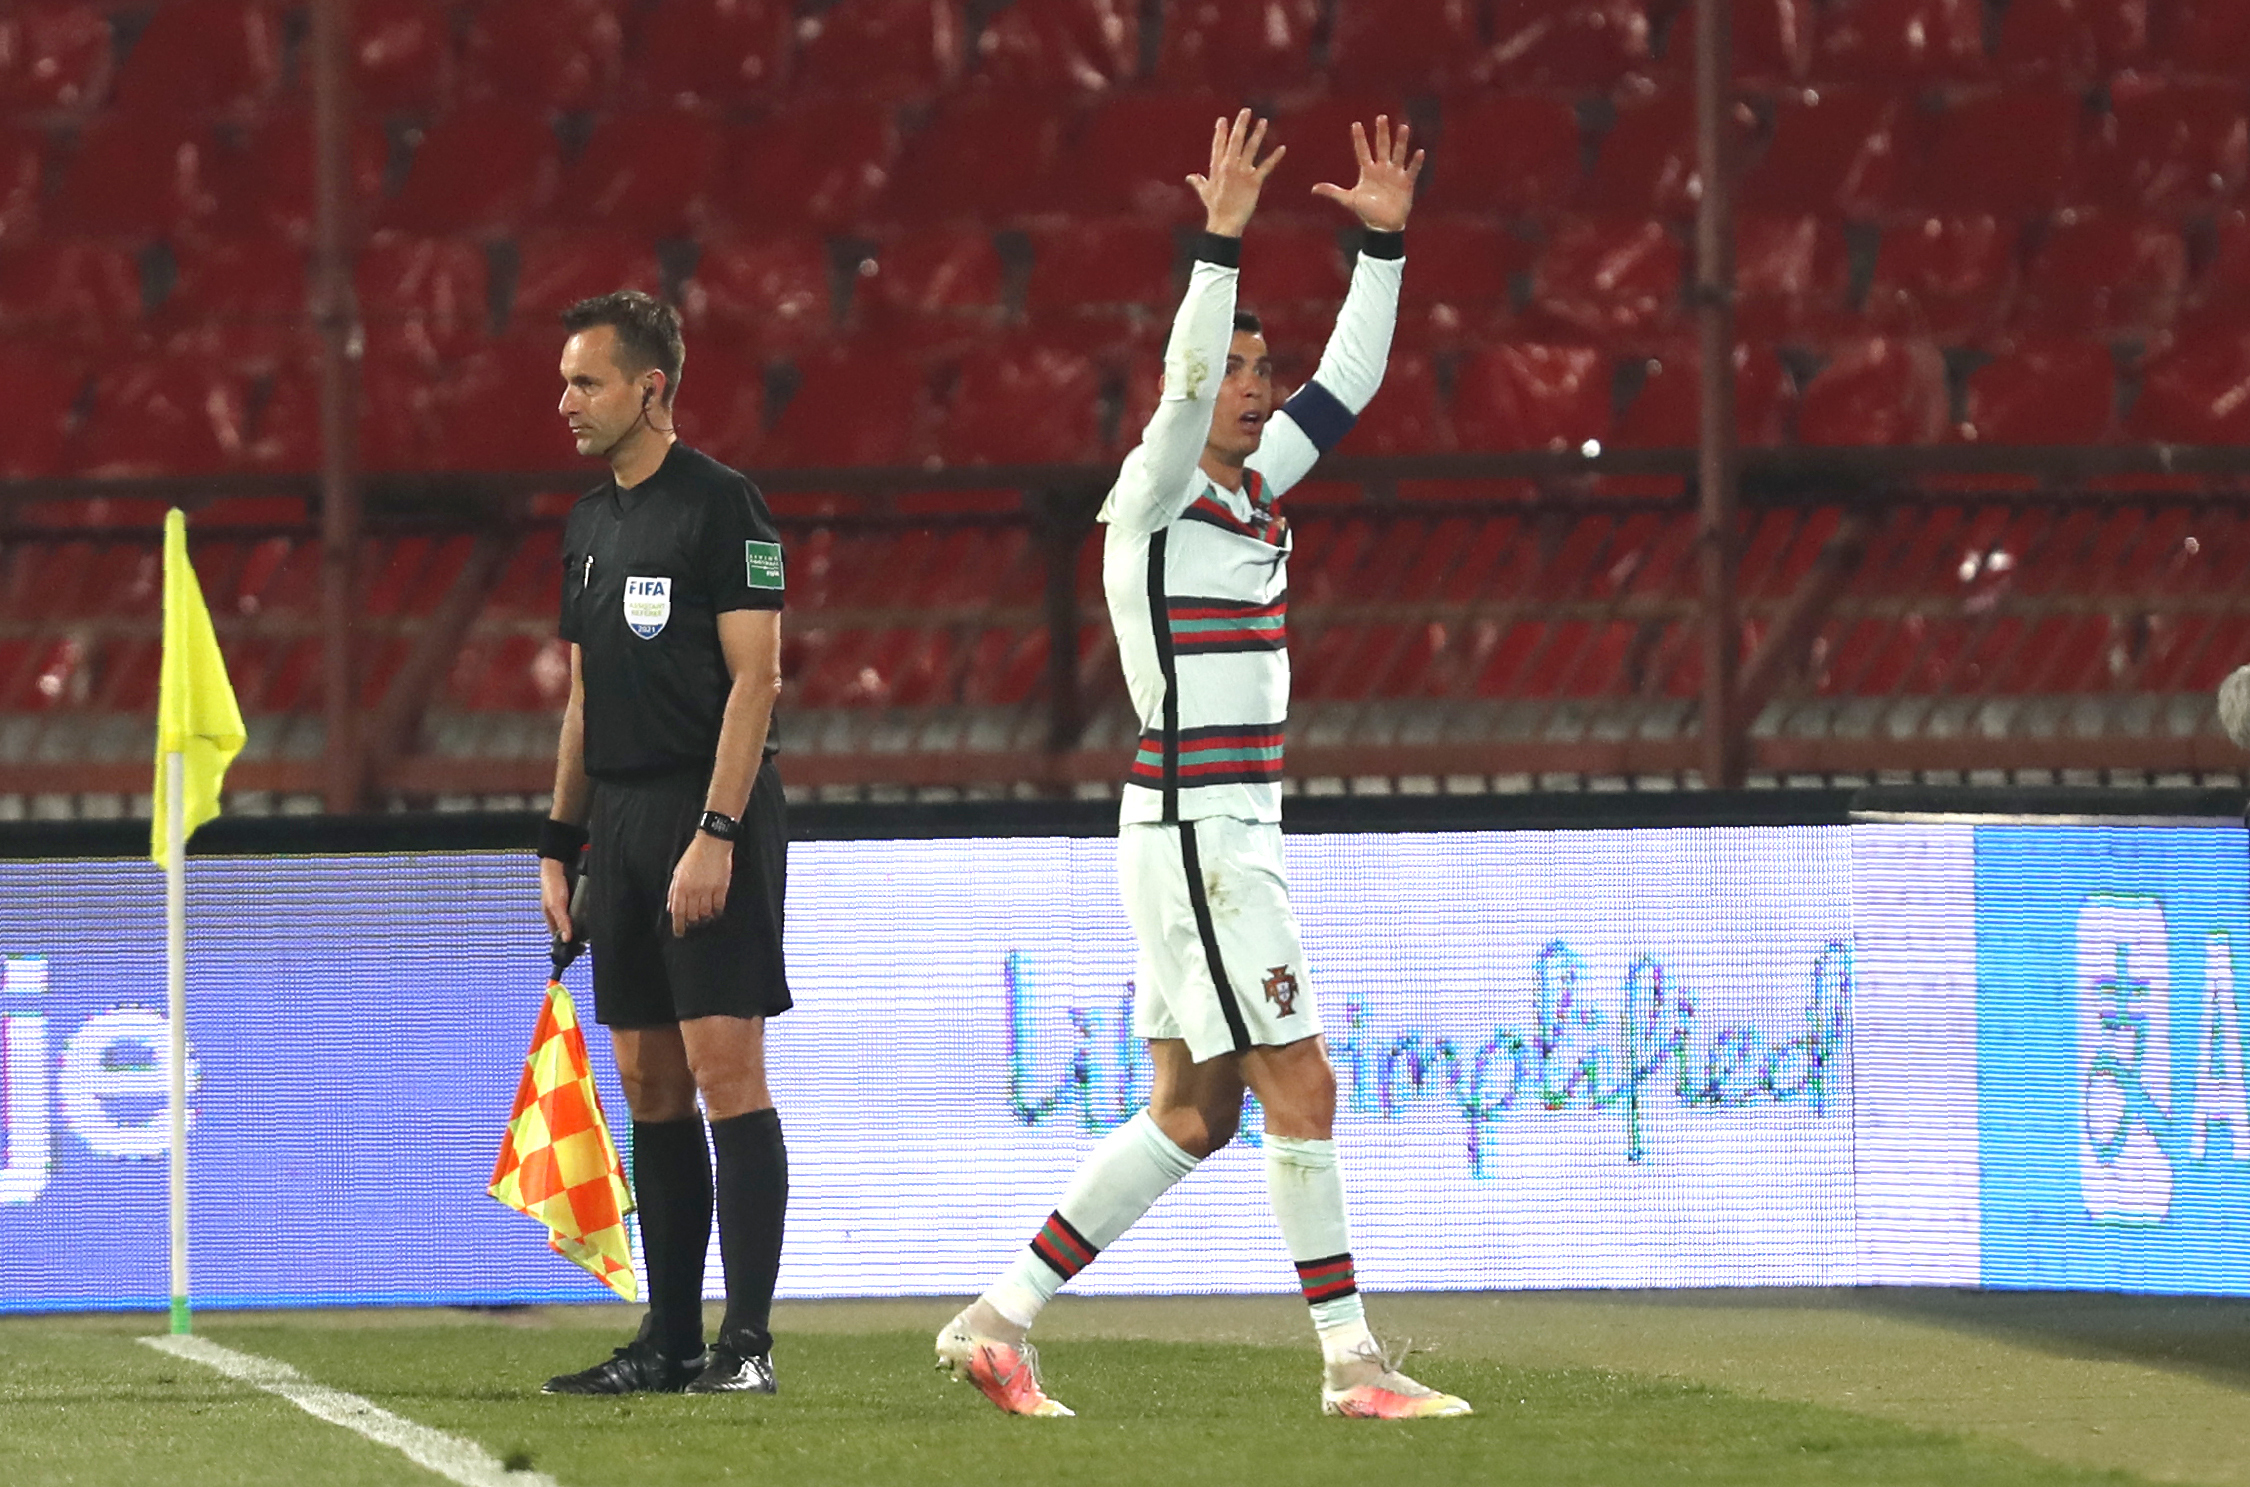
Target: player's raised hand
1230 191
1384 193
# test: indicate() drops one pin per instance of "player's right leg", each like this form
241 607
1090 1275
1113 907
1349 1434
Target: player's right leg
671 1159
1192 1112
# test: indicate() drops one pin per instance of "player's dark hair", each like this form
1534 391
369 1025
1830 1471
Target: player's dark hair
648 332
1244 320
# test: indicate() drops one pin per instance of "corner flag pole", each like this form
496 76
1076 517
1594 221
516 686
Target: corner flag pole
175 1012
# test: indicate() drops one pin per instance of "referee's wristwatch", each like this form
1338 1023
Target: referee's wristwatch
725 828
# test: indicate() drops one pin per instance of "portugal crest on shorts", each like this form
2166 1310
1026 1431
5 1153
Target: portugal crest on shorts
648 605
1281 990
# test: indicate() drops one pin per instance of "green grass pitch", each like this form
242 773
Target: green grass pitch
1786 1387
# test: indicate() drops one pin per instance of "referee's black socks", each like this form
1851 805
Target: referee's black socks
672 1185
753 1169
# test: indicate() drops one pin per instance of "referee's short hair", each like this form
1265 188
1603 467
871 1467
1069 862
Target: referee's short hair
648 332
1245 321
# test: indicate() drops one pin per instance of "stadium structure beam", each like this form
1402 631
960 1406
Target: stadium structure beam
1063 527
390 729
1800 619
336 319
1721 722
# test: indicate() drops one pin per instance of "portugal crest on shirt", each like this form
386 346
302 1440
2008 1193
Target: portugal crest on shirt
648 605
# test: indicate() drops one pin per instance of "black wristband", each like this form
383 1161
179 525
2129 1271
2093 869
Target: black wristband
1384 244
720 825
1220 249
560 841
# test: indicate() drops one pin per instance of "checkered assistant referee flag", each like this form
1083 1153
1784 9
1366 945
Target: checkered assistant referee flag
557 1163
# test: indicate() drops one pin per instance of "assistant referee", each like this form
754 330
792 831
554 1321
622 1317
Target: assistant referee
671 602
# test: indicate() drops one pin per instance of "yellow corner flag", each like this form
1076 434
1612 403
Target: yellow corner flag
557 1163
196 714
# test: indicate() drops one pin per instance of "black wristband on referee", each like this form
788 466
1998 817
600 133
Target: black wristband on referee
561 841
1218 248
1383 244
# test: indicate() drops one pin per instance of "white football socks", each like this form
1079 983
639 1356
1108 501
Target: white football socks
1308 1199
1130 1169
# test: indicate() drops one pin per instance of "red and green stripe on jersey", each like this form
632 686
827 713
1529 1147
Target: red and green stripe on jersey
1327 1280
1065 1250
1265 524
1210 627
1229 754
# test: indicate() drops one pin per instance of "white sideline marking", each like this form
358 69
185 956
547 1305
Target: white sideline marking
449 1456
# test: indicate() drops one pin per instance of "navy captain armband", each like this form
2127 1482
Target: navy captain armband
1321 414
1383 244
1220 249
560 841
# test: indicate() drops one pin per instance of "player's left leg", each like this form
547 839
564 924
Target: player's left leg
751 1183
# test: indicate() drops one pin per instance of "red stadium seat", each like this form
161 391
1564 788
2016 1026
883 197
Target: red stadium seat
981 156
267 184
1522 397
555 270
239 280
1951 278
1667 412
1832 150
497 410
722 404
480 170
2104 274
1288 263
1060 46
1772 40
1588 46
1902 41
70 287
137 177
2210 38
1880 391
1129 158
1102 264
543 54
816 165
890 49
858 406
23 157
1647 162
648 173
2179 148
439 286
1237 46
940 273
39 385
2006 153
2072 41
164 415
1791 274
1504 152
54 54
1461 277
2044 392
1609 279
2196 391
1407 416
713 53
203 54
1023 405
1403 45
401 55
772 293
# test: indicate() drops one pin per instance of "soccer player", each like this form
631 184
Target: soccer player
671 602
1196 569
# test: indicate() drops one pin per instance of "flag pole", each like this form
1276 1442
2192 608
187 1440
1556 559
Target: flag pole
175 946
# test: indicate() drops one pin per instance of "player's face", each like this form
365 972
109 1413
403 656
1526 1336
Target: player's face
1245 399
599 401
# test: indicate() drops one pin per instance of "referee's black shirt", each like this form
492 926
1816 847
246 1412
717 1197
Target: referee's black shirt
646 574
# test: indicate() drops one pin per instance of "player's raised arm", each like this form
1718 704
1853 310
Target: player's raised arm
1316 419
1154 485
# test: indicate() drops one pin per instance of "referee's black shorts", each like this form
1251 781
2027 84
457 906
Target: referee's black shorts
646 976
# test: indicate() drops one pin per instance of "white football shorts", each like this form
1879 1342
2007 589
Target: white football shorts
1220 965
